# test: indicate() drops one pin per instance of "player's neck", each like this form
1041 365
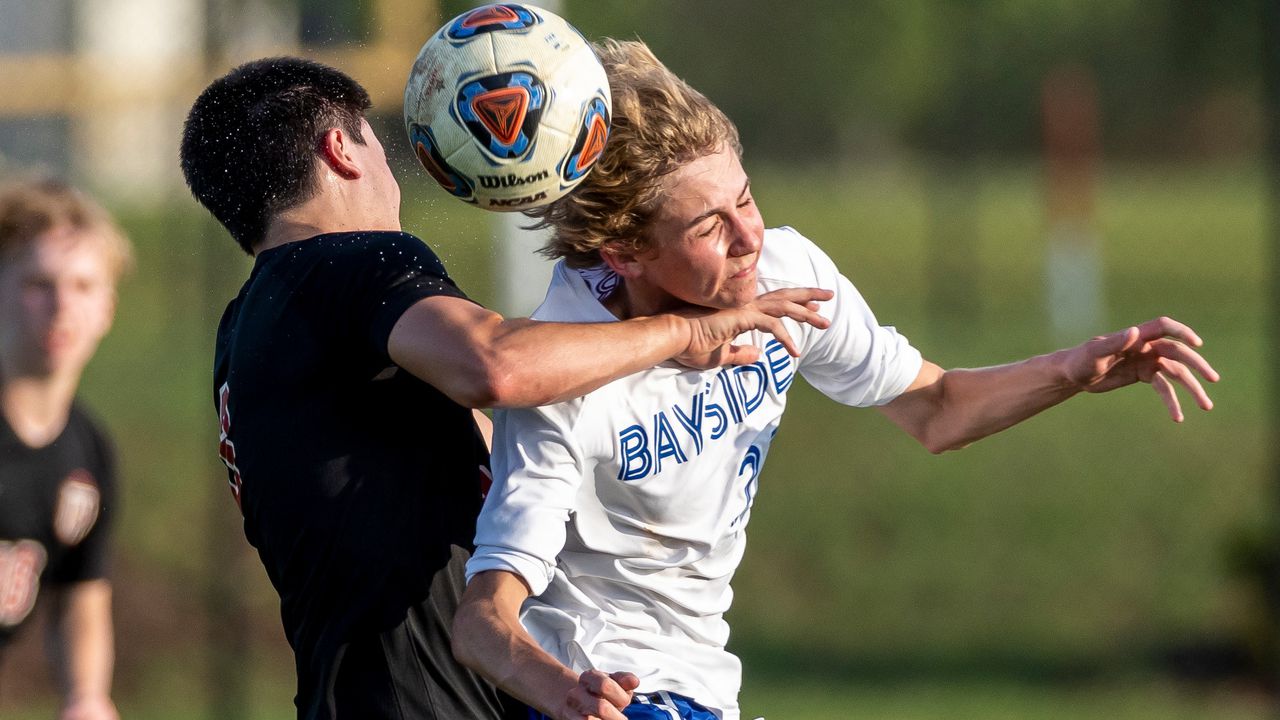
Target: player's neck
325 213
36 407
634 298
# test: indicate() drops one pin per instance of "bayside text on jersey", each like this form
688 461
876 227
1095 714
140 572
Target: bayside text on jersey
625 510
359 483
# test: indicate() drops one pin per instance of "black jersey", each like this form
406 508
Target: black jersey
359 483
55 506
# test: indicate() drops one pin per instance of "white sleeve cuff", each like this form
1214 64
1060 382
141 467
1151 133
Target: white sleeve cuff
536 573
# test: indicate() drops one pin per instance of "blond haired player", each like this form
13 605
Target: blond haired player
616 520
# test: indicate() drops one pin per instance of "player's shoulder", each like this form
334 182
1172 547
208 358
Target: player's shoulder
333 268
367 246
343 251
577 294
93 432
788 258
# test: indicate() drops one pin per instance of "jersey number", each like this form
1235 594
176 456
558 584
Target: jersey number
21 563
751 468
226 448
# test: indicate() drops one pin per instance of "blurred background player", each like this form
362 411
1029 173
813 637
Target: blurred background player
344 375
60 258
616 520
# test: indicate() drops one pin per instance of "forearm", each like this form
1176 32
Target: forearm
488 638
83 641
541 363
480 360
966 405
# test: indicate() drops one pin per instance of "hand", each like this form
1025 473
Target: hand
1156 352
89 707
712 331
598 696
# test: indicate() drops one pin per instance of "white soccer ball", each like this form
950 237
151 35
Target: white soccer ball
507 107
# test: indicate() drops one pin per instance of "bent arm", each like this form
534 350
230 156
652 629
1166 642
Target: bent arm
82 644
480 359
488 638
950 409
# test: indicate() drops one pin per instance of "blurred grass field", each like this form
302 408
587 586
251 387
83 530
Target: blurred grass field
1048 572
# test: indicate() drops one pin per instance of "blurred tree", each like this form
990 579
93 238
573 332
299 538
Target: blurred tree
935 75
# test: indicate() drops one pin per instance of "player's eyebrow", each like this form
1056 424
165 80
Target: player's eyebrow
716 211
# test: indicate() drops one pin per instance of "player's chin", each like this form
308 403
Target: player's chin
737 294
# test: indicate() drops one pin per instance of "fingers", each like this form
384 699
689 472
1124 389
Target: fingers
1178 371
626 681
602 696
1162 351
737 355
1164 389
774 327
1174 362
1168 327
799 304
1174 350
800 312
798 295
1116 342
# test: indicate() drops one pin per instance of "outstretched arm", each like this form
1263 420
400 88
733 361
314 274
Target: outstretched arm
82 647
488 638
480 359
946 410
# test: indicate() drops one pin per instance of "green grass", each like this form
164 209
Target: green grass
1018 578
1142 699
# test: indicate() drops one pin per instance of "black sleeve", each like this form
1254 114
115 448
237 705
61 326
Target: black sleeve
405 271
88 560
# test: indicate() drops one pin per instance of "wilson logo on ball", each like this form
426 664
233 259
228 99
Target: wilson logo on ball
490 19
503 111
507 107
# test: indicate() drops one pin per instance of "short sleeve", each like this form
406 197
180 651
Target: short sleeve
537 471
89 559
856 361
396 271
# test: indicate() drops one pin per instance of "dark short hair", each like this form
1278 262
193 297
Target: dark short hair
250 142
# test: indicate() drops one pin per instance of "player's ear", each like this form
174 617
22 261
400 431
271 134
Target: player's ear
621 259
336 152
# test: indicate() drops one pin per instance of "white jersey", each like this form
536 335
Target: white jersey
624 510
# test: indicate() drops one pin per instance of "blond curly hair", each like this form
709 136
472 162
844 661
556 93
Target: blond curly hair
659 124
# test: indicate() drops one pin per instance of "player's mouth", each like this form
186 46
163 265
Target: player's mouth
746 272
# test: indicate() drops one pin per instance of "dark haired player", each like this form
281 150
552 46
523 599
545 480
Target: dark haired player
344 374
60 258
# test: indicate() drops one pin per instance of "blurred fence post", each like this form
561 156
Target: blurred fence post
133 60
1073 276
523 275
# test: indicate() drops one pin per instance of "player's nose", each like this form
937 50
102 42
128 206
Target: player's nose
747 238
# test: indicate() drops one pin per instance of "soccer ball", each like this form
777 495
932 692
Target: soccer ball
507 107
